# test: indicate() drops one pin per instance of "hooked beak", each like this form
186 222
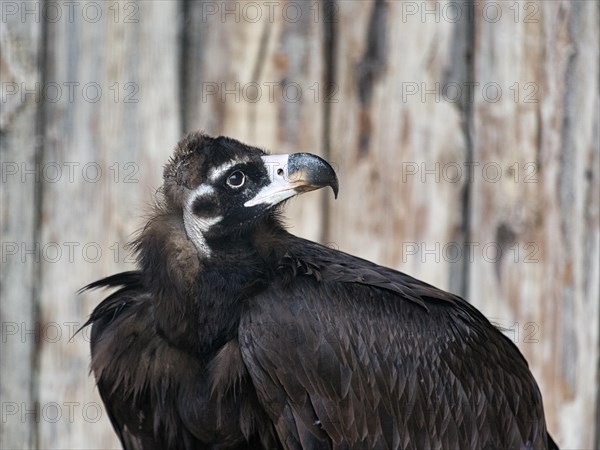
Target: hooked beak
294 174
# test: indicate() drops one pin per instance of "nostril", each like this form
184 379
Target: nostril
280 172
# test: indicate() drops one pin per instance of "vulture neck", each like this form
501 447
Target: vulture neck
197 302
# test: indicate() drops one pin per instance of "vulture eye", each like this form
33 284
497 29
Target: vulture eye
236 179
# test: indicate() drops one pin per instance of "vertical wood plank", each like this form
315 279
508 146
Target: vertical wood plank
116 132
254 71
537 207
393 133
19 142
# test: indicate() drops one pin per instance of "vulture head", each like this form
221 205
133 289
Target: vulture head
224 187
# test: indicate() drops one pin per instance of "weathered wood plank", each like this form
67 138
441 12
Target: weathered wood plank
536 208
19 143
117 131
396 140
255 71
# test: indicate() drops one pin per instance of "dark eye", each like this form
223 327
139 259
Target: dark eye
236 179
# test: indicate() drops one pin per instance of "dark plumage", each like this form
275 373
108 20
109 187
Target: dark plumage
234 333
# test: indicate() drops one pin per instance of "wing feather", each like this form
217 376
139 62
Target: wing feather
346 353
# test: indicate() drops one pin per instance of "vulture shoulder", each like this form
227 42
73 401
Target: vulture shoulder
346 354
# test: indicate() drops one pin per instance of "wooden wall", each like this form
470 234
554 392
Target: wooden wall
465 136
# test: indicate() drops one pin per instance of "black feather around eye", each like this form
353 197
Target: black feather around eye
205 207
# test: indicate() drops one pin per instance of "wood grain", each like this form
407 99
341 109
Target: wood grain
390 141
127 133
541 211
19 151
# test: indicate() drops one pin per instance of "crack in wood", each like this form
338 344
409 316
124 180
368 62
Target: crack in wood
369 69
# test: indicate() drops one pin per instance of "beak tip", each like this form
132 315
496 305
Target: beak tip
335 188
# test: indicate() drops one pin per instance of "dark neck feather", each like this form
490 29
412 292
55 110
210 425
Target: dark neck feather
197 303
